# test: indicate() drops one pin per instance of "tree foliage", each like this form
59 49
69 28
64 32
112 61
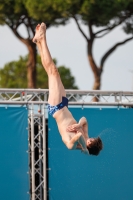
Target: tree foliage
56 12
100 13
13 75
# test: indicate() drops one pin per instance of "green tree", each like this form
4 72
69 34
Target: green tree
13 75
13 13
104 14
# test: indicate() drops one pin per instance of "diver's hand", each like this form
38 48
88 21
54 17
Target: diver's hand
73 128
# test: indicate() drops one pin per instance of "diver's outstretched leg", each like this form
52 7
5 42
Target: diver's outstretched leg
56 88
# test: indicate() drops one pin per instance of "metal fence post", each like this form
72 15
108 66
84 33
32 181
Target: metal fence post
44 154
32 155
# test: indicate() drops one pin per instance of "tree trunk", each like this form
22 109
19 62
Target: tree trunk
97 82
31 65
95 69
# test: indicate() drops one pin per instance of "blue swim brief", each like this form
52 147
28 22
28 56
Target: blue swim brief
53 109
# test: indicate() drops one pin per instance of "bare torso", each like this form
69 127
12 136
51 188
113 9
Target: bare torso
64 119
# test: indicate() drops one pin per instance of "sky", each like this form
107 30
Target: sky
68 46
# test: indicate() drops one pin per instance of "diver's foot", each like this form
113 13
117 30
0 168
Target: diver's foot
40 32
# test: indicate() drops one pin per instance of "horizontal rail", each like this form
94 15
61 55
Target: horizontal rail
4 90
76 97
70 103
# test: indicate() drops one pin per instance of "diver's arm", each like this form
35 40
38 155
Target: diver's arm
84 124
74 139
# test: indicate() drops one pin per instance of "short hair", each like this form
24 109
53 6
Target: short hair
95 147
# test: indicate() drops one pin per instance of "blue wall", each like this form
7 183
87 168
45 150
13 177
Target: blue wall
108 176
14 181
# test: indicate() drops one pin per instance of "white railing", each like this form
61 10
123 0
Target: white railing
76 97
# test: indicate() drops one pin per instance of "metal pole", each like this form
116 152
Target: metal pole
40 148
44 154
32 155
